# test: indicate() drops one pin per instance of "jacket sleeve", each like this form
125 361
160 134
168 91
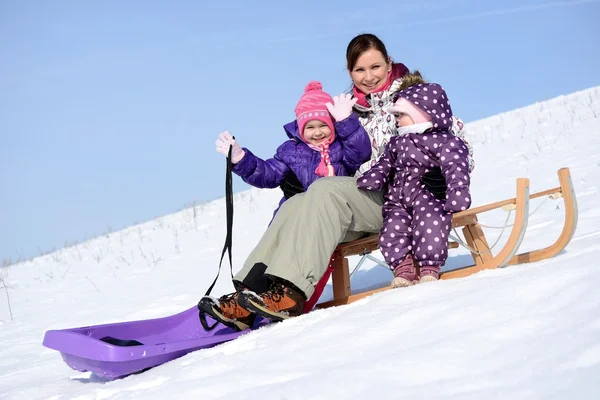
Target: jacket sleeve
356 145
377 177
454 164
261 173
458 130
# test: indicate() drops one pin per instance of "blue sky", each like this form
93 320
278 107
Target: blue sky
109 110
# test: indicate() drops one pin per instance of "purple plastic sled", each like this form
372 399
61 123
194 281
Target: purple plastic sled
120 349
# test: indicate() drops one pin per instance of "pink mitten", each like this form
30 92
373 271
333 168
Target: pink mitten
341 107
224 141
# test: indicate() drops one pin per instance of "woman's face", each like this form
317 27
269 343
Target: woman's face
370 71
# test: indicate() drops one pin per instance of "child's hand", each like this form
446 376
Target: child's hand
341 107
457 199
224 141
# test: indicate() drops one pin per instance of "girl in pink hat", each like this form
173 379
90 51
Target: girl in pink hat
325 140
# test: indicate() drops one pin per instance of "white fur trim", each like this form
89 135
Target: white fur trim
414 128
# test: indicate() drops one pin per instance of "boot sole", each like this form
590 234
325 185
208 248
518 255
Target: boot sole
402 283
208 307
250 304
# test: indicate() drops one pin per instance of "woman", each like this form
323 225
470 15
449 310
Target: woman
281 273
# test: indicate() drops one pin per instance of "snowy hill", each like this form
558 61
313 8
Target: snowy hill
528 331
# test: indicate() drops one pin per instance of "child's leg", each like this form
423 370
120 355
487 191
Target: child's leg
395 242
431 226
395 236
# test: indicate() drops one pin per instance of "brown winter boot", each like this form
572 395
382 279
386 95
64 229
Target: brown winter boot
281 301
429 273
405 273
228 311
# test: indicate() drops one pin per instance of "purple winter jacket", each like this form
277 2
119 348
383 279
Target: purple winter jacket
414 220
350 149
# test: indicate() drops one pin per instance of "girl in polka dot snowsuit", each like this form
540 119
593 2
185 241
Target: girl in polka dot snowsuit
415 223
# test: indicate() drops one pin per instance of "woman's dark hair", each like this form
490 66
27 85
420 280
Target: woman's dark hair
362 43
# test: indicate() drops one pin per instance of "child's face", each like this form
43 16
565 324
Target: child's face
316 132
403 120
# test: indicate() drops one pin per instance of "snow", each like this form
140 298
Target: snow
526 331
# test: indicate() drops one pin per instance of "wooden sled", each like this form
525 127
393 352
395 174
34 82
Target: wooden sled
474 237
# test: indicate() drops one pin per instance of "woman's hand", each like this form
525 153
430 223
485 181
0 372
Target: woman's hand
342 106
224 141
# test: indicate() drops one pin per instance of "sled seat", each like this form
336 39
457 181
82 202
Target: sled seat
475 239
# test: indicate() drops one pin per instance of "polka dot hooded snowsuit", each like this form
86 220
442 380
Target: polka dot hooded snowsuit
414 221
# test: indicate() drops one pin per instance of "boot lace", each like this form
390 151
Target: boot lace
275 293
229 300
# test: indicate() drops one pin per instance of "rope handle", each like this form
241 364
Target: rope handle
228 237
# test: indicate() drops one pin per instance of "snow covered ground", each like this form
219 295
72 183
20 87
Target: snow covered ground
525 332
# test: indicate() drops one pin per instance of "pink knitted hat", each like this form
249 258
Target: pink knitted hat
312 106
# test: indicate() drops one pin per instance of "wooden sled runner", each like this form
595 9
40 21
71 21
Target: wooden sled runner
475 239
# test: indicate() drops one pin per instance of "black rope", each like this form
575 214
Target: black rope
228 237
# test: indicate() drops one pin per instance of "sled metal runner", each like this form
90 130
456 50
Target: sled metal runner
476 241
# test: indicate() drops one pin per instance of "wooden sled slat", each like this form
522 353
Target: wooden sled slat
570 225
341 277
475 237
371 243
514 240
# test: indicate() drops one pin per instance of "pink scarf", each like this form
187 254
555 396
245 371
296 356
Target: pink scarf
398 70
325 168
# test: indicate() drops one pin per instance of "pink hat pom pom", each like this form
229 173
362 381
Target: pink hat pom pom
313 85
